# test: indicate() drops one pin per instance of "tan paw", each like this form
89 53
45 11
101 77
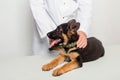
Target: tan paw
47 67
58 72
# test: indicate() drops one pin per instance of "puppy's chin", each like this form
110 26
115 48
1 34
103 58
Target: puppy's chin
53 49
50 49
56 48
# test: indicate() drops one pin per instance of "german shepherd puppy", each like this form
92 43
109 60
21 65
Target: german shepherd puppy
64 38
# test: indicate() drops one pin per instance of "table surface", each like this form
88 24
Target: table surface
29 68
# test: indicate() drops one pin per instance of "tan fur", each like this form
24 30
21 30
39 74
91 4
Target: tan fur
69 33
65 38
71 49
73 55
58 60
67 67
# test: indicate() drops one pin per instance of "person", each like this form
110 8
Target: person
48 14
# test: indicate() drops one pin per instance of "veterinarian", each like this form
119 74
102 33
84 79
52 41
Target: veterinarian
48 14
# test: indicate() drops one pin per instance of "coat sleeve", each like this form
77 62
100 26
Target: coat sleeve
42 19
84 14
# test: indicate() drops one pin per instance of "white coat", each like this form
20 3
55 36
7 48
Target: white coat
50 13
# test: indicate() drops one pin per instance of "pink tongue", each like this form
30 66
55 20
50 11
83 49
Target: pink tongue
53 42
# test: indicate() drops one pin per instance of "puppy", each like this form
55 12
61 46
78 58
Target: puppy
64 39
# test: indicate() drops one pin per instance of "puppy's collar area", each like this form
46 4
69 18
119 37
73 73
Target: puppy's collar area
70 45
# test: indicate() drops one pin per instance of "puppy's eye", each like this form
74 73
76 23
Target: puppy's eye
61 29
57 30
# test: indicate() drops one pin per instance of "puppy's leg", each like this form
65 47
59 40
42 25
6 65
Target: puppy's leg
75 63
58 60
65 68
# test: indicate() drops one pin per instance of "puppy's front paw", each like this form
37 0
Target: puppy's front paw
58 72
47 67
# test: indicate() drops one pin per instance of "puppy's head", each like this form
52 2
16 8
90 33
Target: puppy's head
64 33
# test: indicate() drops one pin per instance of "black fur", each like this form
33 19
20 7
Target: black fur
92 51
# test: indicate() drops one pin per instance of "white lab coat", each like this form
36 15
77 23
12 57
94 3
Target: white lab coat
50 13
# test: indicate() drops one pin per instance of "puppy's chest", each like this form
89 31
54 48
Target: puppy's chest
71 54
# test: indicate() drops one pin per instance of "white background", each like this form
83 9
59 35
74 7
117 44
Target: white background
16 25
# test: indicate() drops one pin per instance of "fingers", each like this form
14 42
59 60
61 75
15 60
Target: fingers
82 41
83 45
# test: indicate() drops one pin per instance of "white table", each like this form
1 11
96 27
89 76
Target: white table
29 68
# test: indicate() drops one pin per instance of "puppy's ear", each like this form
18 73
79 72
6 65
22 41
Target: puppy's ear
71 23
77 26
61 29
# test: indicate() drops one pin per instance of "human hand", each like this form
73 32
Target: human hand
82 41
